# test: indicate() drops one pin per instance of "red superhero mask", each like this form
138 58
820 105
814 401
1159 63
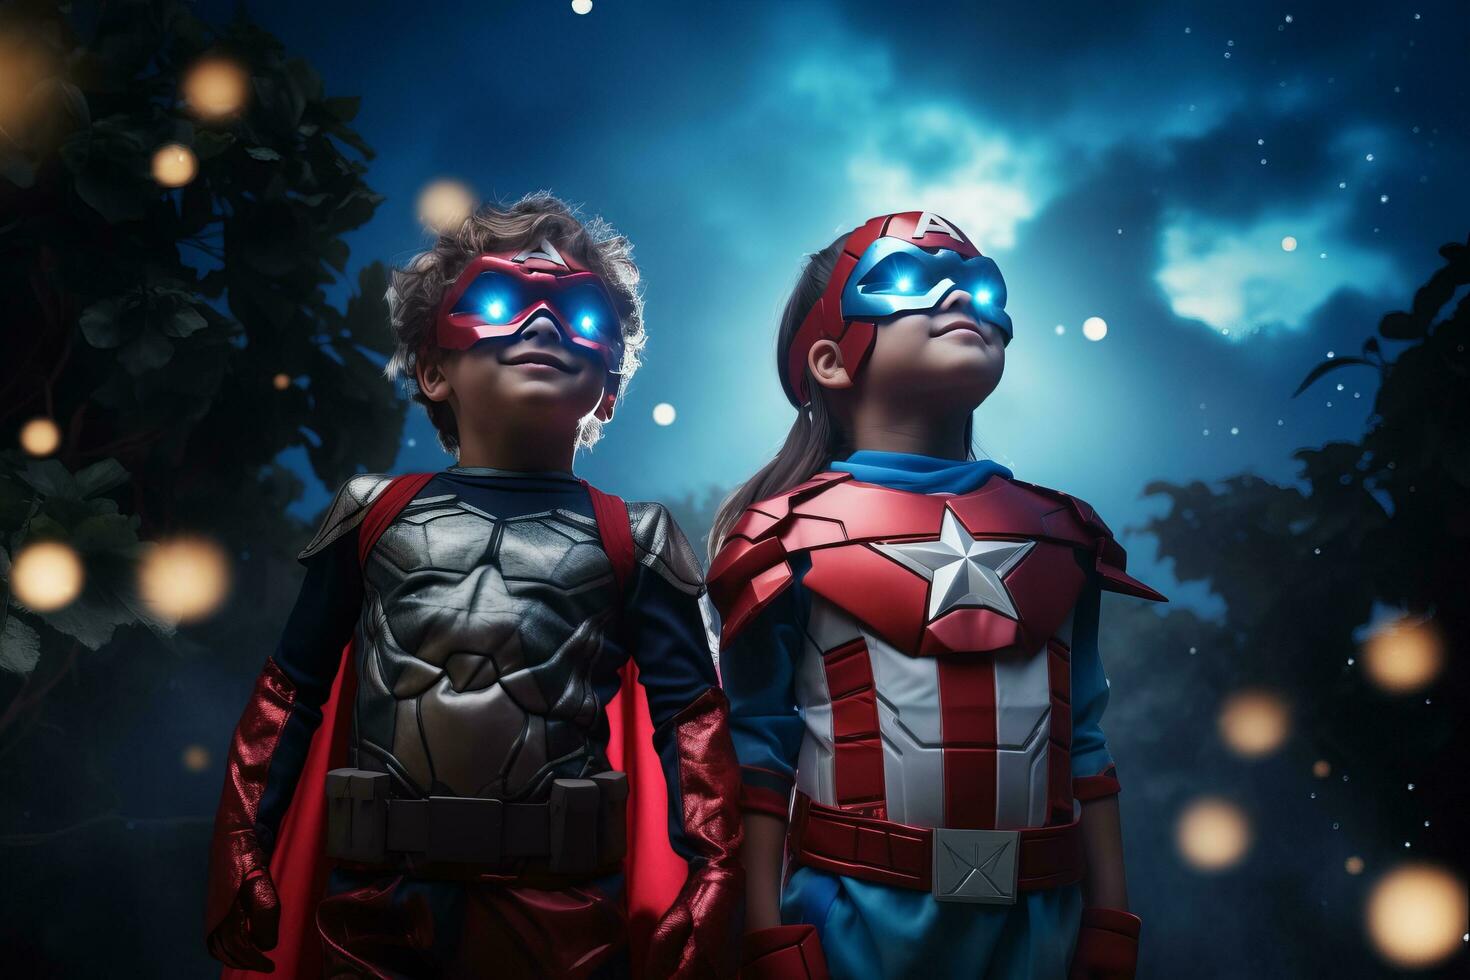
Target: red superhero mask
893 265
497 294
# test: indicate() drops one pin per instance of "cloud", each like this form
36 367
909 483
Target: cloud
913 150
987 184
1237 279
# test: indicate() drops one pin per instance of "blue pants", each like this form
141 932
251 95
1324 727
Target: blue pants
873 931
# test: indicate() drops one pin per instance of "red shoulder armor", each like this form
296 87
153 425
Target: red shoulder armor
751 568
1110 560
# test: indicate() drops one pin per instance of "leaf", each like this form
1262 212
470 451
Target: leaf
100 533
107 161
185 322
49 477
101 323
343 107
336 252
1323 368
92 618
263 153
20 647
100 477
148 351
211 143
1400 326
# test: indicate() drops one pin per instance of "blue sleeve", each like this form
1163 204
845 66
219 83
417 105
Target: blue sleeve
1090 756
665 636
758 671
664 632
309 653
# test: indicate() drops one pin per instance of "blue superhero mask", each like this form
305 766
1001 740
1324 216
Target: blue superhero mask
907 262
894 276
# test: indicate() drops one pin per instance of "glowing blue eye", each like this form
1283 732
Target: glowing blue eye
982 297
587 324
903 285
495 309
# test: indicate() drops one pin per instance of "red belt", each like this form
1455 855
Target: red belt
987 866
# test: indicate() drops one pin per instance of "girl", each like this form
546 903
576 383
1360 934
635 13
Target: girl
910 644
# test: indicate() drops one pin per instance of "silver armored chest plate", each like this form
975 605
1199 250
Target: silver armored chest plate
476 649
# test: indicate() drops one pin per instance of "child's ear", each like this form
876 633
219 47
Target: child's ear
825 361
604 411
432 382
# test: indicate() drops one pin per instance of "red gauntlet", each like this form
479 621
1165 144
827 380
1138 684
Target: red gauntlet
1107 946
783 953
697 936
241 911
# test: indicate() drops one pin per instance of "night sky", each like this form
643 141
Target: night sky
1143 165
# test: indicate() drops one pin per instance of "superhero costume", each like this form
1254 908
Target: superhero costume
484 613
910 651
497 294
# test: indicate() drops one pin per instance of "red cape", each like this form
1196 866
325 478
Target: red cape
299 866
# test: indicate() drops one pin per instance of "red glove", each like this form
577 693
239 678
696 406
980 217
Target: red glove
1107 946
697 936
783 953
250 926
241 911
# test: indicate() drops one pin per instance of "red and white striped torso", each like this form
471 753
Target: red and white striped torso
956 740
935 673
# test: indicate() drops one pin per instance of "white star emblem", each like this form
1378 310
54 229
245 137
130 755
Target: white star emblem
962 570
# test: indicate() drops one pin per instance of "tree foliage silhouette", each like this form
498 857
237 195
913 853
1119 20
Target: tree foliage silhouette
180 339
1375 529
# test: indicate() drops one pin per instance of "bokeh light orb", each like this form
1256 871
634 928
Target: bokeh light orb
1212 834
47 575
174 165
1288 244
40 436
1321 769
216 87
184 579
1254 723
664 414
1416 915
1353 865
1094 328
195 758
581 6
443 205
1404 656
281 381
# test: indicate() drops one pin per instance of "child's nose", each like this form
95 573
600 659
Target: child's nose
541 327
956 297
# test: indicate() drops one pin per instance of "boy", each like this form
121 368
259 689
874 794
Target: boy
475 819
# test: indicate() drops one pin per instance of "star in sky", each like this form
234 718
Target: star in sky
962 570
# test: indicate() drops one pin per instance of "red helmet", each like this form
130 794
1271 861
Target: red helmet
893 265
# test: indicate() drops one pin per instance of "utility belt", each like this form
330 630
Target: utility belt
952 864
580 830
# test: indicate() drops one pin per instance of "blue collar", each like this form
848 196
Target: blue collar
919 474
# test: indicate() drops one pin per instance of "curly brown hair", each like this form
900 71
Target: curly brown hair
417 289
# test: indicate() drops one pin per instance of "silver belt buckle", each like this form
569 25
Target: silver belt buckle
975 865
